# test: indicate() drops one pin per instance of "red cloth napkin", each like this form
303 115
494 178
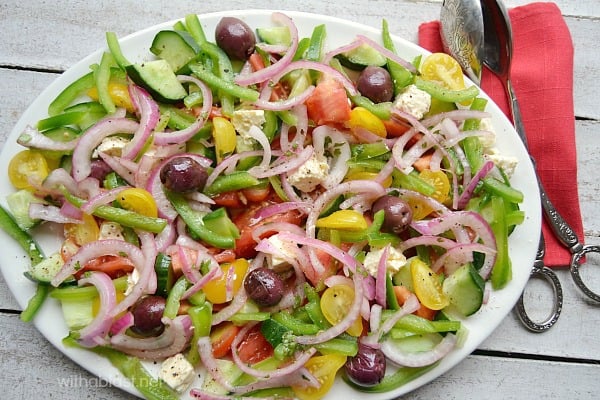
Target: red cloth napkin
542 76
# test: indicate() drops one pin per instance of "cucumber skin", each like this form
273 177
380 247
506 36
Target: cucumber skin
465 288
158 79
178 48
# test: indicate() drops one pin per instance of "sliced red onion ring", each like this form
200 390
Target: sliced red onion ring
148 116
410 305
281 105
122 324
174 339
339 146
116 164
96 249
375 319
459 255
455 115
285 163
58 178
279 208
274 69
418 359
33 138
94 334
48 212
380 282
105 197
92 138
468 191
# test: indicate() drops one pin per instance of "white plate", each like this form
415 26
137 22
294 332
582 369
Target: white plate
523 242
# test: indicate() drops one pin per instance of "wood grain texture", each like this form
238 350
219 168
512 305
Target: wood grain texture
40 37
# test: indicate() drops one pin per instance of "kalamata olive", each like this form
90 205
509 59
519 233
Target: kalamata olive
397 213
99 169
235 37
264 286
367 367
147 313
183 174
376 84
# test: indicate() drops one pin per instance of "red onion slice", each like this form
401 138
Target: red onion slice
380 282
148 116
418 359
94 334
33 138
48 212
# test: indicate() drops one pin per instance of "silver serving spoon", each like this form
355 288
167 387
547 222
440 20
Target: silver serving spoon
491 32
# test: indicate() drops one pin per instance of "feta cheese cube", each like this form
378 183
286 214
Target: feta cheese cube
487 141
413 101
110 230
311 174
177 372
281 246
242 121
394 262
505 162
112 145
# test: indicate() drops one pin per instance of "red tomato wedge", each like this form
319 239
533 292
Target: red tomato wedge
328 104
222 337
113 266
254 347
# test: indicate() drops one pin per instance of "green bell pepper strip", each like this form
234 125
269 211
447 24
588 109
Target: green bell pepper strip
235 181
313 307
224 70
115 49
390 382
472 145
83 293
121 216
224 85
342 347
70 93
400 75
314 52
178 118
174 297
23 238
132 368
295 325
441 93
242 318
60 120
412 181
196 225
102 78
201 317
498 188
502 271
194 28
390 295
35 303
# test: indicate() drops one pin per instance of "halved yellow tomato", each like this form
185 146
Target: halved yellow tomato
138 200
335 303
347 220
444 70
119 93
86 232
324 368
27 168
224 136
439 180
216 290
427 285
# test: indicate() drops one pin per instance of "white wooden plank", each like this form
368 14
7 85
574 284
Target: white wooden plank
493 378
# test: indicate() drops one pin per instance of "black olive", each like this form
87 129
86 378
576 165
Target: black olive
100 169
367 367
264 286
147 314
376 84
397 213
235 38
183 174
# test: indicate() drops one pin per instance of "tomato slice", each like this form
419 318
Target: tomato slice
27 168
113 266
427 286
328 103
138 200
254 347
444 70
216 289
324 368
335 303
222 337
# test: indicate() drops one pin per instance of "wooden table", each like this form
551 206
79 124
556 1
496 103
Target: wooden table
43 38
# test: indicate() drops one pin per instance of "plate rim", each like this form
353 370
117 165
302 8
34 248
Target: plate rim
104 370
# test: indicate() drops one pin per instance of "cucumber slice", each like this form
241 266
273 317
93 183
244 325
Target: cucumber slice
77 314
45 270
361 57
275 35
464 289
165 277
178 48
158 79
18 202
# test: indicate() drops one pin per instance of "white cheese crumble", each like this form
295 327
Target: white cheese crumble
177 372
394 262
110 230
310 174
506 163
413 101
112 145
243 121
282 247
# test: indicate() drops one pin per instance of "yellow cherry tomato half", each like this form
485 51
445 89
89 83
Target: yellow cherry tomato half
324 368
444 70
138 200
224 136
439 180
27 168
119 93
216 290
427 285
83 233
360 117
347 220
335 303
